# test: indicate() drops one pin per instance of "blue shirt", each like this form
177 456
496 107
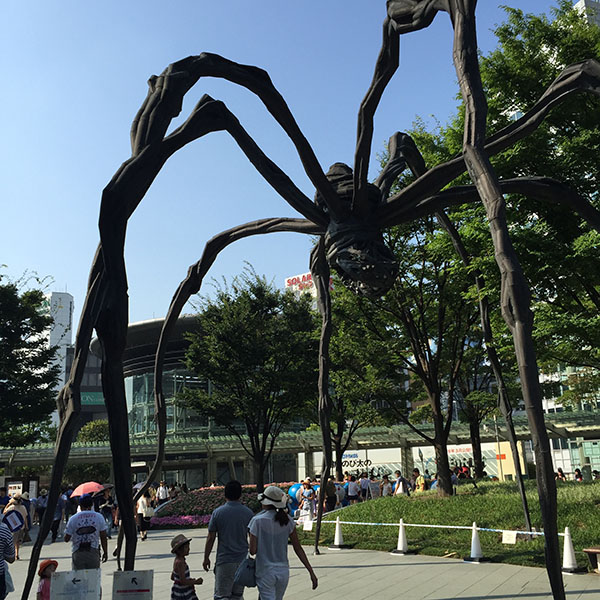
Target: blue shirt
60 507
230 523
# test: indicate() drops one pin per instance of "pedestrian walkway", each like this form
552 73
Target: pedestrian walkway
341 573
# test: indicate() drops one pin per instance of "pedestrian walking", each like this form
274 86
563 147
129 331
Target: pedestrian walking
183 585
86 530
229 526
16 504
269 534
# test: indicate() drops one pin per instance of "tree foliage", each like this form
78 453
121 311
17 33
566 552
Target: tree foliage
258 347
94 431
411 343
28 376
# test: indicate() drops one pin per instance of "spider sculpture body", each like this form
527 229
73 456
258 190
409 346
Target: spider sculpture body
348 215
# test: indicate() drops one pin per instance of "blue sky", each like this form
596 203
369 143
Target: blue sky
75 75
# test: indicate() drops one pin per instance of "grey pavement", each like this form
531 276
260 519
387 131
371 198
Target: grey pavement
342 574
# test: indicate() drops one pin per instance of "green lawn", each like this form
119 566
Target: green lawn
492 505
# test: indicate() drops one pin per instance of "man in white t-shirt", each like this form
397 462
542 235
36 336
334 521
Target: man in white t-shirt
86 530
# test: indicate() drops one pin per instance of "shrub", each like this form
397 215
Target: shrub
203 501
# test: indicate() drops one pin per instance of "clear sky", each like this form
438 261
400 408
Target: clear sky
74 76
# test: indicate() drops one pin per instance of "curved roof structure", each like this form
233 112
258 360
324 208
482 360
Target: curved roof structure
142 340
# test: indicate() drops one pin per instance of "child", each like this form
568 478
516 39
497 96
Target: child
183 585
47 567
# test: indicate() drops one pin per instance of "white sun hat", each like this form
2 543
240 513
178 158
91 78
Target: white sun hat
275 496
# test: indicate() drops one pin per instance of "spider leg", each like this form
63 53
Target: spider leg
385 67
541 188
579 77
69 408
182 75
191 285
320 273
515 293
403 152
403 16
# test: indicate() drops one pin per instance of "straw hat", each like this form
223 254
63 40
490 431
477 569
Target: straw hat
177 541
275 496
46 563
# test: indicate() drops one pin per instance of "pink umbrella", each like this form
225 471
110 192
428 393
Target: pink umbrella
89 487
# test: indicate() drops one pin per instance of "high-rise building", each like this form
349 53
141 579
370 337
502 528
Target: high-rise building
591 9
60 307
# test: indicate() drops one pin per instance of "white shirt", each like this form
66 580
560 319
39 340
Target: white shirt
353 488
162 493
85 527
272 541
386 489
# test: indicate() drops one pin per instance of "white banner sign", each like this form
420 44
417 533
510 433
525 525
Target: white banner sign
509 537
75 585
132 585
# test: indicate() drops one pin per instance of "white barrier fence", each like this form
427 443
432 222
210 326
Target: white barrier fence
509 536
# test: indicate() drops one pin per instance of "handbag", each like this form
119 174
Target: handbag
148 512
246 573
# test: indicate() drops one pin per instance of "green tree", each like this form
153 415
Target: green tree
94 431
28 377
258 347
413 340
559 252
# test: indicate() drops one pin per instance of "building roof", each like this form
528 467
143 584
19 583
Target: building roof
142 340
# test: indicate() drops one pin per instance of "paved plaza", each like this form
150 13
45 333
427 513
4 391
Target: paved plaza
342 574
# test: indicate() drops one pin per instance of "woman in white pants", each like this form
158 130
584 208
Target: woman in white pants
269 533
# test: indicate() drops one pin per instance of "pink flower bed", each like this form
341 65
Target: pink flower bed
180 521
194 508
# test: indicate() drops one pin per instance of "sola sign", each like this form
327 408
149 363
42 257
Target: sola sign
303 283
132 585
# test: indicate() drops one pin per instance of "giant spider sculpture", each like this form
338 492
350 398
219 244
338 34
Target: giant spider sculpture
348 215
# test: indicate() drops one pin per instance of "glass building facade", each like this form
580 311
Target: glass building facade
180 420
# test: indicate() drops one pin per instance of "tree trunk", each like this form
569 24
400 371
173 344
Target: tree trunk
444 487
339 453
441 451
259 473
476 444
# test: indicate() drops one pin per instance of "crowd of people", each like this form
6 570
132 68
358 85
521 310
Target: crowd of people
352 489
89 520
233 526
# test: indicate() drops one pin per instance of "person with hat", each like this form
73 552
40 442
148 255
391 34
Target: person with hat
308 500
16 504
183 587
86 530
47 567
269 534
230 523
